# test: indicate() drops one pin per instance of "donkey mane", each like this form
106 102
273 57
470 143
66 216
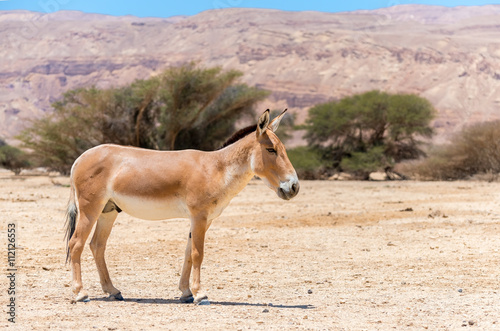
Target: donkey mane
239 135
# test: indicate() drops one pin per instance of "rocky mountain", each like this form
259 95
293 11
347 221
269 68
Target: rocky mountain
449 55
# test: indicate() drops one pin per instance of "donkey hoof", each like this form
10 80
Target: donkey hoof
118 296
82 297
188 299
202 300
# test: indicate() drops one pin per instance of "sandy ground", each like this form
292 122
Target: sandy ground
340 256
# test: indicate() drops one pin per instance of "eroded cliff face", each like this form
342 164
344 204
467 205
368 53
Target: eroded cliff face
449 55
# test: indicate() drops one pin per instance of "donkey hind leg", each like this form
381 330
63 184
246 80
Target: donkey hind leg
84 225
187 296
98 246
199 227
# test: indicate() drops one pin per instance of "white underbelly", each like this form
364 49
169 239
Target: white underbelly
152 209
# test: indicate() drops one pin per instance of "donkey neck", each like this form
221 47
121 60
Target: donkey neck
236 162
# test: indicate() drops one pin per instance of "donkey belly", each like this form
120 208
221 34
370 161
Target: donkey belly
152 209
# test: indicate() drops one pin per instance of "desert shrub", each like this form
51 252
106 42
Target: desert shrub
12 158
474 150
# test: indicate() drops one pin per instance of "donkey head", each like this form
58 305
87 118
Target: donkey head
270 161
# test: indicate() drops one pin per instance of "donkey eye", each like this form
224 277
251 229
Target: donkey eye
272 150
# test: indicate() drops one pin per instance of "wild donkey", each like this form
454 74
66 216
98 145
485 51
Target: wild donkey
155 185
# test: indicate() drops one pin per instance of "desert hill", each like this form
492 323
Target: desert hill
449 55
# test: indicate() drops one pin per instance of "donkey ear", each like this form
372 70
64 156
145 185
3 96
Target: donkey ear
263 123
275 123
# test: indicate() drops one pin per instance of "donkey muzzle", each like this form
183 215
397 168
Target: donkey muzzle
289 189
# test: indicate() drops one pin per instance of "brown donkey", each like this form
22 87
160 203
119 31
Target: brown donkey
155 185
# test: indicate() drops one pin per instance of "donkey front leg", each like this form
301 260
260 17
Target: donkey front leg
198 230
98 247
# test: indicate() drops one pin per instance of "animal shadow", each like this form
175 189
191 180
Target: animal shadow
213 303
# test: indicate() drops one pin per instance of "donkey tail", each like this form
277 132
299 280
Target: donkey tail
71 215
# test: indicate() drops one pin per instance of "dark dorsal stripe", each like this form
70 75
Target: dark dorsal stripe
239 135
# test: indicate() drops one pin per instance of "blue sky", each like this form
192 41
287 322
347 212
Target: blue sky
144 8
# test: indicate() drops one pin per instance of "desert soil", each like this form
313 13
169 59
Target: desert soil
340 256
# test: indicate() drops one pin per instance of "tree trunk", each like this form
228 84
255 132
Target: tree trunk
138 125
171 137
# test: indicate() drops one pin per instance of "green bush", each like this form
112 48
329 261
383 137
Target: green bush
12 158
362 163
308 162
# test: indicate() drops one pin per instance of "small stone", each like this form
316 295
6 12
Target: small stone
309 291
265 310
377 176
472 322
460 290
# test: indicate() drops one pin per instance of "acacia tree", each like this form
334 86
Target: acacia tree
370 130
408 118
186 106
185 94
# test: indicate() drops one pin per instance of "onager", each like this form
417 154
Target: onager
157 185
